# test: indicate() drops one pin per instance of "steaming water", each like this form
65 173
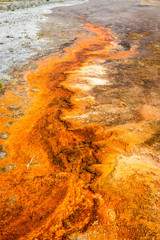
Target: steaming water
19 28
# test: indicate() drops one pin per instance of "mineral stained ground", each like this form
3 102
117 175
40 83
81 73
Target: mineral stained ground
80 133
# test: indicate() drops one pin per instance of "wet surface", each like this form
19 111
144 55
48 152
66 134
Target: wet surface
79 140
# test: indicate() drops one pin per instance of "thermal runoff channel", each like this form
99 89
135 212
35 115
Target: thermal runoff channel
65 174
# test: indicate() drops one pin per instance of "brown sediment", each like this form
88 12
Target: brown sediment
151 2
72 179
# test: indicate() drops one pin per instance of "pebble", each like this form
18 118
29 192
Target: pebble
17 115
67 224
13 108
9 167
2 154
35 90
131 129
20 93
3 136
9 124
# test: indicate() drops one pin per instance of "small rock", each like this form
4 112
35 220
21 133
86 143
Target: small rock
11 49
2 154
35 90
3 136
142 64
13 108
7 168
9 124
12 199
131 129
9 36
125 45
17 115
20 93
67 224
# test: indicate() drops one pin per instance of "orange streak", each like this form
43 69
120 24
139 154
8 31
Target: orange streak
44 196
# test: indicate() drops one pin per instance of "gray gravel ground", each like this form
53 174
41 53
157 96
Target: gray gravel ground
20 35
